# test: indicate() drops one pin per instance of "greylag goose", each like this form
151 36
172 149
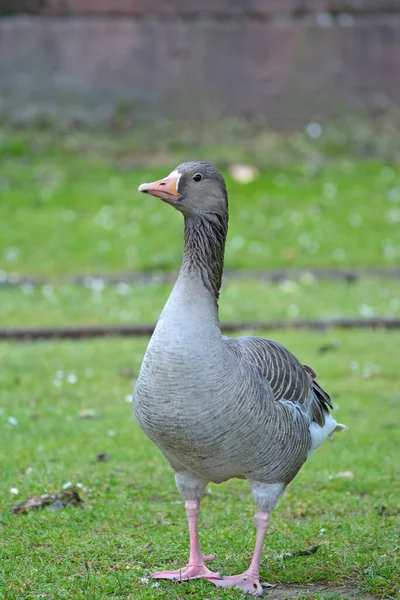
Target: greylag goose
218 407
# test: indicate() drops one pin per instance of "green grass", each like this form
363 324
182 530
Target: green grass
248 300
68 204
103 549
66 209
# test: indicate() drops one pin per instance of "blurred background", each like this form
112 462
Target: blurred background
282 62
297 102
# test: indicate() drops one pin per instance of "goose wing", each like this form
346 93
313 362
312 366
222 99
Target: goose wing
288 379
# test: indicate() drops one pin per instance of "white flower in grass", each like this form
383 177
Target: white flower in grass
125 315
314 130
123 288
339 254
144 580
288 286
47 290
66 485
72 378
128 398
111 433
11 254
387 174
329 190
237 242
370 370
393 216
308 278
394 195
27 288
155 584
97 285
293 310
366 310
14 491
12 421
356 220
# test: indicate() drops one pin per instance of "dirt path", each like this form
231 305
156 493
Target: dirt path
158 276
292 592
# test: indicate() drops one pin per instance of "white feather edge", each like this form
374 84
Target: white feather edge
175 173
319 434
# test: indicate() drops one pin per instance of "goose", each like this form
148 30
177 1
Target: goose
220 408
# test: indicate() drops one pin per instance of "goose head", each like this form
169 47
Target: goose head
194 188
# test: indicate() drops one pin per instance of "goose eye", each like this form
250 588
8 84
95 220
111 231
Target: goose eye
198 177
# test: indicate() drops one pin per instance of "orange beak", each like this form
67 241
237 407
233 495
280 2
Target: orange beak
166 189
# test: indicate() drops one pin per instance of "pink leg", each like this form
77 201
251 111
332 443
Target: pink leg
196 565
249 580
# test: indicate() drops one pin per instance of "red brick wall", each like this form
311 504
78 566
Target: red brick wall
289 60
194 7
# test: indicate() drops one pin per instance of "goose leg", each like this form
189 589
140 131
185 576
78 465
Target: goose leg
249 580
196 566
265 496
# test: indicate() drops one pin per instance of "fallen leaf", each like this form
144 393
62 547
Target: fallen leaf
102 457
345 474
128 372
307 552
243 173
331 346
87 413
55 501
288 253
384 512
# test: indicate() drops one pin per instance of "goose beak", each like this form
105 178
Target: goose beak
166 189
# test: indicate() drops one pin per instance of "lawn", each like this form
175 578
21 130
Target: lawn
65 304
66 209
132 520
69 205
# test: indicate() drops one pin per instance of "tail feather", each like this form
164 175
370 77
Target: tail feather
339 427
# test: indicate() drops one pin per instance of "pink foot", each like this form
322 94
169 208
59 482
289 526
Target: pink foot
188 572
245 582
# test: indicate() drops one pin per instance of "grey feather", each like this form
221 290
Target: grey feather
288 378
219 407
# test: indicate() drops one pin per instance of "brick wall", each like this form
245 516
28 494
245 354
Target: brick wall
288 60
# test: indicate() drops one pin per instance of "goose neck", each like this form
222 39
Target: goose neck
203 257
